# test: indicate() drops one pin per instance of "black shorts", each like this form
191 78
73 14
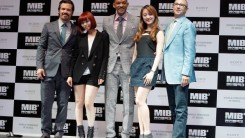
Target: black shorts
86 79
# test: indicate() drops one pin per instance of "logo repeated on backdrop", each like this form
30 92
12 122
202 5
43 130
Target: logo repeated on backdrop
35 7
99 112
9 23
200 131
26 75
6 124
133 133
27 108
206 61
28 40
160 114
68 127
8 57
231 80
230 117
163 7
159 78
232 44
120 95
202 98
9 7
71 98
232 8
7 90
206 26
99 7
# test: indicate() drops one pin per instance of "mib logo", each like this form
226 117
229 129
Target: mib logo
32 40
197 133
162 114
29 108
165 8
203 26
237 81
199 98
99 7
4 57
202 62
35 7
3 90
234 44
2 124
236 8
65 128
5 23
99 111
234 117
133 131
30 75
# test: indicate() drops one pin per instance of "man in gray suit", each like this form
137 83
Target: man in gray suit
121 28
53 63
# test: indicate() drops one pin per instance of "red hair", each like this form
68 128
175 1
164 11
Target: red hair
86 16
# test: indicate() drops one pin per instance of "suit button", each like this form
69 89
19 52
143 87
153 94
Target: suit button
82 63
93 64
95 56
82 55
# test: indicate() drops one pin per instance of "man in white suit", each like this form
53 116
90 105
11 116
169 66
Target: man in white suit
178 71
118 70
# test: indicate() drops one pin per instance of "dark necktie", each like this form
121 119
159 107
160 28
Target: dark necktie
63 33
120 27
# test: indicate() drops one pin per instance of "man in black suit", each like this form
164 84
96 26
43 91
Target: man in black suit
53 61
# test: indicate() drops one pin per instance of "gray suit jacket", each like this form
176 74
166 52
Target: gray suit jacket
125 46
50 52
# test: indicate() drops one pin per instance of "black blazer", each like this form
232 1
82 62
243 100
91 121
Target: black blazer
97 60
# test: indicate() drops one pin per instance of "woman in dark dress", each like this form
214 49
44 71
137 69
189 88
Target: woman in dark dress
88 70
147 55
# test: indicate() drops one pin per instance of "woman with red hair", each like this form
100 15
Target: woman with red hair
88 69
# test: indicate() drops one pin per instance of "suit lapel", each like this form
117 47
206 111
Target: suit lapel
96 42
111 26
128 28
57 32
73 31
174 31
83 44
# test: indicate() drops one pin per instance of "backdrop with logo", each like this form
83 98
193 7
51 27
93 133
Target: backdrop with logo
216 100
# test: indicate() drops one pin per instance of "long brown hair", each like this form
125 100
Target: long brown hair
143 25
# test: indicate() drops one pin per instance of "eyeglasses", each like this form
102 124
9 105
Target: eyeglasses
180 4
